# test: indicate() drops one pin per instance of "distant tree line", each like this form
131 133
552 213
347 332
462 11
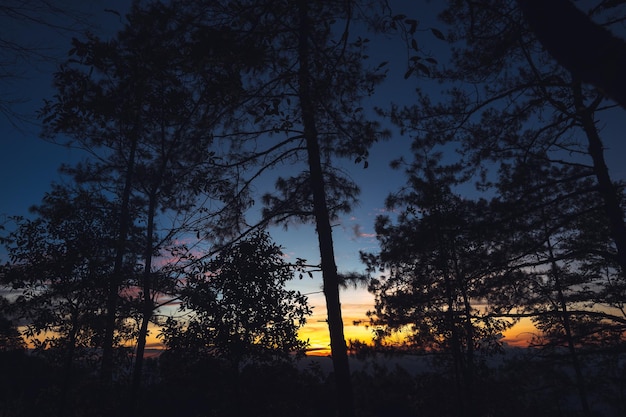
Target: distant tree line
509 211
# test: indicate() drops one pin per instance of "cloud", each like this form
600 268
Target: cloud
383 211
358 233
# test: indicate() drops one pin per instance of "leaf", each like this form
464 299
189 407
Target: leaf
413 24
365 165
408 73
438 34
424 69
414 44
431 60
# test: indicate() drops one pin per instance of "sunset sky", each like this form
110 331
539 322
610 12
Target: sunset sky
28 166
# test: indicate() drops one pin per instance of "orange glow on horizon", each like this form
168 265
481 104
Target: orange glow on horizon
521 333
319 340
316 332
355 304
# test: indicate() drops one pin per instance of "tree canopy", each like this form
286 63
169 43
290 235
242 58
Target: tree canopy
240 307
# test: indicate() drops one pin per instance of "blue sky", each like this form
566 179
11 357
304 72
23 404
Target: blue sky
28 164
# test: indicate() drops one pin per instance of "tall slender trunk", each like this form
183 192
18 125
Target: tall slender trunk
580 45
455 340
565 320
68 368
148 306
106 369
447 252
469 363
469 370
608 191
339 351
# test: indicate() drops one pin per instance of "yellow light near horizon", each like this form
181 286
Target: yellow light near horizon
317 333
521 333
354 306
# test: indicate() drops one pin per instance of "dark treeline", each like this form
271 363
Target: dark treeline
508 212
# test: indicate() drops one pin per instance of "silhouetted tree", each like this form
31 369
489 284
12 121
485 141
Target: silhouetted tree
240 309
559 236
59 266
510 109
306 109
524 103
436 265
145 104
527 113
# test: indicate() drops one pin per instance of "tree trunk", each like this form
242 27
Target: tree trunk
608 190
68 368
589 51
339 351
148 308
457 353
565 320
468 371
106 369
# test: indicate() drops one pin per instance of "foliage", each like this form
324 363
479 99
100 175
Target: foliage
60 267
306 111
437 270
436 262
526 131
145 104
560 236
517 106
10 337
240 307
531 129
